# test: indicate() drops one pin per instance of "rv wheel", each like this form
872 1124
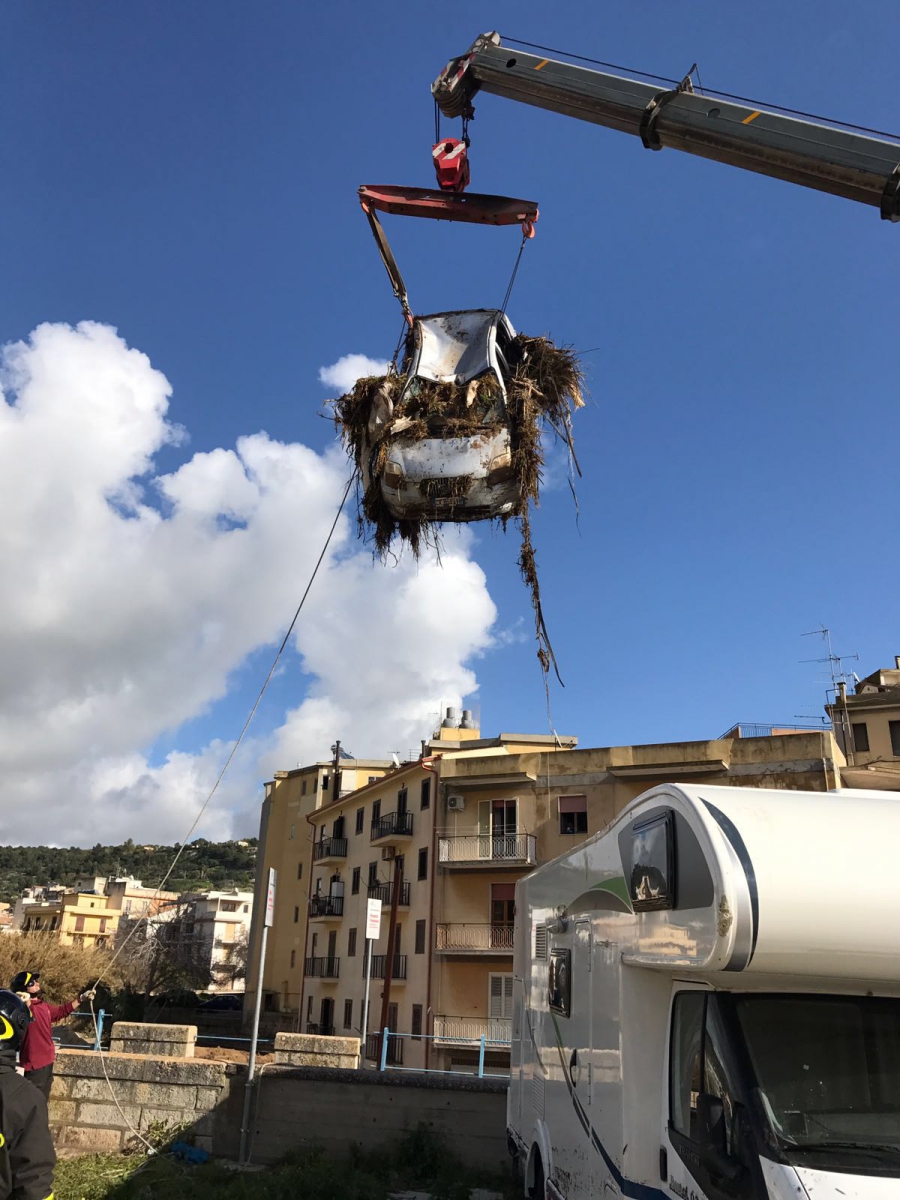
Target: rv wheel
537 1191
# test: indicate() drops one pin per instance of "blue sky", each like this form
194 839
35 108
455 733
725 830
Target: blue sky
187 172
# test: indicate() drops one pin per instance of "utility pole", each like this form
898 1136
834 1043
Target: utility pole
392 933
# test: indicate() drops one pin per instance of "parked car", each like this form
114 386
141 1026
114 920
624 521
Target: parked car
222 1004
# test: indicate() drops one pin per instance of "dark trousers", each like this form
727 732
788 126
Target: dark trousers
42 1079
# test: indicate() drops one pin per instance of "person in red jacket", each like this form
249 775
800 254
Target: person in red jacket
37 1053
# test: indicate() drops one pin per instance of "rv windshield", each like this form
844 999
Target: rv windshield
828 1073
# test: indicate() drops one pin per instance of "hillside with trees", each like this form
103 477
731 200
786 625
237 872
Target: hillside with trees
202 865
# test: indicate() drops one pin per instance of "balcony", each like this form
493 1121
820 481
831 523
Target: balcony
323 968
394 1049
392 825
384 892
324 908
473 939
398 975
329 849
321 1030
465 1031
487 850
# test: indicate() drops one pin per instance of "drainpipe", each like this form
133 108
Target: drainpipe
428 1024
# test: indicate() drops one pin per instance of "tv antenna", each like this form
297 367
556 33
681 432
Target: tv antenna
839 677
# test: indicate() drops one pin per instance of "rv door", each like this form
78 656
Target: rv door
705 1148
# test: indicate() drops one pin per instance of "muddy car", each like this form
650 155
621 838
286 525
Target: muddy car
442 451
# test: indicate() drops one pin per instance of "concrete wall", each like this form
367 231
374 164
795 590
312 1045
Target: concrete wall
88 1113
338 1108
161 1041
330 1107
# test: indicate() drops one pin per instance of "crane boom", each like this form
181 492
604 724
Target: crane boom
815 155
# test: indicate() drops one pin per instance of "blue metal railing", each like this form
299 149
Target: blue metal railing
101 1017
385 1057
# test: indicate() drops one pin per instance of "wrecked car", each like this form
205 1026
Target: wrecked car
441 449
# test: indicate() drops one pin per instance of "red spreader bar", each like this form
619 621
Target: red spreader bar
450 206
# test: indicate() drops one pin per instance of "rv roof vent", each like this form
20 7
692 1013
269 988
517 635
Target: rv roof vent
540 941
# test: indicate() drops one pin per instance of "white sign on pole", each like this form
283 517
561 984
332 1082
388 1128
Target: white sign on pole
373 919
270 899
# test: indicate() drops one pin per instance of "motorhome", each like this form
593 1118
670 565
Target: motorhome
707 1002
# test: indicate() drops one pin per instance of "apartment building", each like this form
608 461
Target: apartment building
284 845
88 914
221 920
867 728
459 827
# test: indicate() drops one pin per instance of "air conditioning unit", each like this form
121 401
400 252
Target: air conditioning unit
388 853
456 803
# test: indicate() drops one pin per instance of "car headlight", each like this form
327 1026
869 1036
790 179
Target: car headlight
392 474
500 470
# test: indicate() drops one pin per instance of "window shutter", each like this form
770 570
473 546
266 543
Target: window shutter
495 1001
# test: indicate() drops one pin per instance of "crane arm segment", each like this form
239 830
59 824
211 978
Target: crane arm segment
820 156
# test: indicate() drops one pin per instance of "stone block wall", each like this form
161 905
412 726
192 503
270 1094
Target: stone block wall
88 1113
311 1050
162 1041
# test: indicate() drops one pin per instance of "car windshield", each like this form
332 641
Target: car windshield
828 1072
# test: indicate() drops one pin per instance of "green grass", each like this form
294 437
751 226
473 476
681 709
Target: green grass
418 1162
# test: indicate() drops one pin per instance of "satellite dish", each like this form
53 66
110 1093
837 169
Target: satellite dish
395 758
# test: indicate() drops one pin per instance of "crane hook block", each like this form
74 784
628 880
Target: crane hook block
451 164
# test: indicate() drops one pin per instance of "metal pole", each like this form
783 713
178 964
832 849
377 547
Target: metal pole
365 1019
100 1015
481 1058
268 920
384 1048
248 1092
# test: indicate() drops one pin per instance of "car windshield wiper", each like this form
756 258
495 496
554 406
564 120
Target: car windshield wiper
864 1147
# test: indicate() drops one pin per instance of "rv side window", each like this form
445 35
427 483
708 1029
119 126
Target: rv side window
559 989
698 1062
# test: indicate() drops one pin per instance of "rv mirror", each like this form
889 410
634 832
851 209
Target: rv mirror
711 1133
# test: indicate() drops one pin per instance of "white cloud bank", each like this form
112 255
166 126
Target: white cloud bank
122 618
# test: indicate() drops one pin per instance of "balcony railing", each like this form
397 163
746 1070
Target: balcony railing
394 1055
378 966
393 824
321 1030
384 892
323 968
482 849
496 1031
461 939
326 906
330 847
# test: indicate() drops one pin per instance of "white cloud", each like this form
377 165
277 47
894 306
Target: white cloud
344 373
128 600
